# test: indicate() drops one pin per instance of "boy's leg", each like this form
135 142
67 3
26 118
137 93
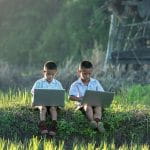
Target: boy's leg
97 113
42 124
97 118
53 112
43 111
89 113
53 128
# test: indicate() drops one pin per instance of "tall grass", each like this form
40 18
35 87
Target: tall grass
17 97
39 144
136 94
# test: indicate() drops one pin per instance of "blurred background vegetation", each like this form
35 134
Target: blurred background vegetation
34 31
64 31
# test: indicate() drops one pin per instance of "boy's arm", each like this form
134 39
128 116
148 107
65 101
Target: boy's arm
60 86
35 86
99 86
32 90
73 93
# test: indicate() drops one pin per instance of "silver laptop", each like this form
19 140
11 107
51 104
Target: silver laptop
97 98
48 97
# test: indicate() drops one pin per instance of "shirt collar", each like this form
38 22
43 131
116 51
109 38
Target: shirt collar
53 81
80 81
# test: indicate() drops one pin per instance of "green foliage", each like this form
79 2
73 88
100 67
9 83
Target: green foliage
137 94
124 123
37 144
37 30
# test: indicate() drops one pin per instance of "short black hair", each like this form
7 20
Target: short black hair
85 64
50 65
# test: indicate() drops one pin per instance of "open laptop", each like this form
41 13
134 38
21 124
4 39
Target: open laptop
48 97
98 98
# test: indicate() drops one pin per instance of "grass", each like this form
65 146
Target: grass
127 123
36 144
138 94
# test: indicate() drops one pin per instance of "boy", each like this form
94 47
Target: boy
77 91
48 82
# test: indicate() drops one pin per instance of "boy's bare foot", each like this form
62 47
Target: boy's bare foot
43 128
93 124
100 127
97 120
53 128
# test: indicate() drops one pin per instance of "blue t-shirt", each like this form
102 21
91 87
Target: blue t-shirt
44 84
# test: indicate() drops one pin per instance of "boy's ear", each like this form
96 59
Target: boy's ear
78 72
42 71
56 72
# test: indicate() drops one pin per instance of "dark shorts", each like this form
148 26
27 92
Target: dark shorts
48 107
83 111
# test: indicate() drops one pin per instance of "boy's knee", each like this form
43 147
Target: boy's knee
87 108
43 109
53 108
98 108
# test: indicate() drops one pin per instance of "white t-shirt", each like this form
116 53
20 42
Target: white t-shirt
78 88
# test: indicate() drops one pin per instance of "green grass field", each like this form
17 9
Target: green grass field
127 124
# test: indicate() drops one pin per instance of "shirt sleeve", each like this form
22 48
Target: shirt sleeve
73 91
60 86
35 86
99 87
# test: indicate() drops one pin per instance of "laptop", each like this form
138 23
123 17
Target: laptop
98 98
48 97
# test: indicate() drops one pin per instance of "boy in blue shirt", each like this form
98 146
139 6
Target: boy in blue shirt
77 91
48 82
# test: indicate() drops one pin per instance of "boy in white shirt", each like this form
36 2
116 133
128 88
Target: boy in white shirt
77 91
48 82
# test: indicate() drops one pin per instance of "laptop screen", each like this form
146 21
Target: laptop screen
98 98
48 97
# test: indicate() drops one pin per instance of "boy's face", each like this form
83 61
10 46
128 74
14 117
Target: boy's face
49 74
85 74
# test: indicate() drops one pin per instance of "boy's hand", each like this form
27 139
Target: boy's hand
74 98
80 99
32 105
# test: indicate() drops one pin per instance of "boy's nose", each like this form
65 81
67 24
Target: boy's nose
50 76
88 76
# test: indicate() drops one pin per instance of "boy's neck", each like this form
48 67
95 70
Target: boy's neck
49 81
85 81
